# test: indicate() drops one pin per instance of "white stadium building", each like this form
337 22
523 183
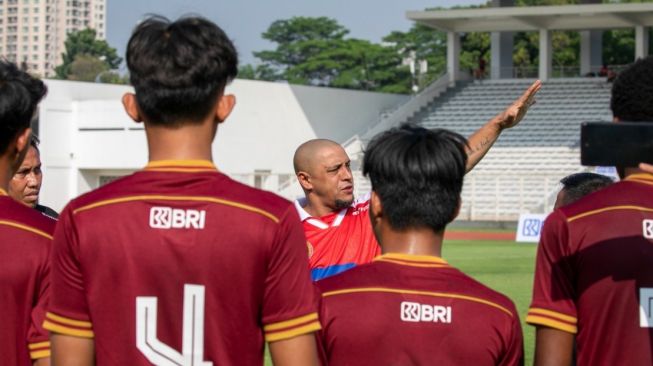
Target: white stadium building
87 139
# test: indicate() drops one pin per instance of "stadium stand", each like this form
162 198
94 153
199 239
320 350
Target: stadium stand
521 172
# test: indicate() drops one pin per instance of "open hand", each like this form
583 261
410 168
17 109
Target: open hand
517 110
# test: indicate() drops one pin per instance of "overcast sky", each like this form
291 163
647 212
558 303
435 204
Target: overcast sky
245 20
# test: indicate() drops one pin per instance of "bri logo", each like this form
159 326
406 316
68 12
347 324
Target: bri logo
414 312
647 226
175 218
532 227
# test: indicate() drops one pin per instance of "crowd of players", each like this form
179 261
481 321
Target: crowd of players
179 265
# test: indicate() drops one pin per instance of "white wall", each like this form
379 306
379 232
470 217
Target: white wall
85 132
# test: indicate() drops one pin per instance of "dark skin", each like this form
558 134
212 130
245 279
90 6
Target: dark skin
553 347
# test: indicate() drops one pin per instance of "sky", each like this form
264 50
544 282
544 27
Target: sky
245 20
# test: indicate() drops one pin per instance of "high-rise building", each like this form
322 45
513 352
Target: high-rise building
33 32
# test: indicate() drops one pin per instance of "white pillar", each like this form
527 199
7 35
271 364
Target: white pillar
591 51
453 56
546 53
641 42
502 47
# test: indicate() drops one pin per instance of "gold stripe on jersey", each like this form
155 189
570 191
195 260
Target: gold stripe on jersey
308 328
417 292
609 208
640 176
411 258
68 321
180 163
3 192
57 328
180 170
551 323
289 323
408 263
553 314
39 354
26 228
38 345
179 198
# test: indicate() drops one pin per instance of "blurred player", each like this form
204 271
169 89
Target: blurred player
594 273
578 185
337 226
26 234
178 264
409 306
25 185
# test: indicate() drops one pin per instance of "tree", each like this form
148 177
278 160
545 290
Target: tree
86 68
84 42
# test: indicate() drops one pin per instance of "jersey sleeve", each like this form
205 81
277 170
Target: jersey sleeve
553 302
289 303
514 354
68 310
37 337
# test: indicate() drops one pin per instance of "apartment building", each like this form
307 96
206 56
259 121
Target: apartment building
33 32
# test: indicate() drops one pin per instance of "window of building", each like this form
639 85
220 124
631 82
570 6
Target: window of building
35 29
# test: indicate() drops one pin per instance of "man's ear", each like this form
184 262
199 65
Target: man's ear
225 105
304 180
131 107
23 139
376 206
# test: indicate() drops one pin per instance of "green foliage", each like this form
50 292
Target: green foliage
84 42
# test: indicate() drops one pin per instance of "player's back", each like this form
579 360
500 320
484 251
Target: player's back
416 310
595 274
180 261
24 270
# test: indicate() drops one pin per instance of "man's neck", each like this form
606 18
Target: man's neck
188 142
421 241
315 208
5 173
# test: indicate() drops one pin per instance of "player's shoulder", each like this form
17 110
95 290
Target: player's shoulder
24 218
618 194
363 276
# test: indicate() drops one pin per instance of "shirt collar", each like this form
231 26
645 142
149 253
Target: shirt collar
181 165
640 176
412 259
3 192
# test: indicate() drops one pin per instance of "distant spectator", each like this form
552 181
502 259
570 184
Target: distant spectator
603 72
481 68
25 185
576 186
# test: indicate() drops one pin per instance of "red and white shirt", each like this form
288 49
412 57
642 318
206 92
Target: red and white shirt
340 240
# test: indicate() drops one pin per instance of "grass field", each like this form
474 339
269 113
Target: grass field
504 266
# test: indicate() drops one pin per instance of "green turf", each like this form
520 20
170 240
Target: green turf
504 266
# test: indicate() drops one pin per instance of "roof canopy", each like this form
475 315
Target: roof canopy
531 18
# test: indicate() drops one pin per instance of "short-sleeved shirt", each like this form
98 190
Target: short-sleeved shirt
24 282
340 240
594 274
415 310
178 260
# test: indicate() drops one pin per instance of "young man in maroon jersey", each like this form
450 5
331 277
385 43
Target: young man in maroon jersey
593 275
409 306
26 234
177 264
336 225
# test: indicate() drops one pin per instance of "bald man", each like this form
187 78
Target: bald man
336 225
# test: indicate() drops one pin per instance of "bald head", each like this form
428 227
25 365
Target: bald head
310 153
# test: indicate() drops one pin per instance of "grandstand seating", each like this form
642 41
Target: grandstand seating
521 172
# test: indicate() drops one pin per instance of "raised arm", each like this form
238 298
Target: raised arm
483 139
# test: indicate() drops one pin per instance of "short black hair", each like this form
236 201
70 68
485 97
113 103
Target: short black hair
20 93
578 185
34 142
632 92
418 175
178 69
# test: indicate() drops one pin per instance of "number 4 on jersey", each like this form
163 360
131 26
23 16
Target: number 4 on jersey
161 354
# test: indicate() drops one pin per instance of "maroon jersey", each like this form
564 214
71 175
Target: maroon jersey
594 274
24 282
415 310
180 265
340 240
